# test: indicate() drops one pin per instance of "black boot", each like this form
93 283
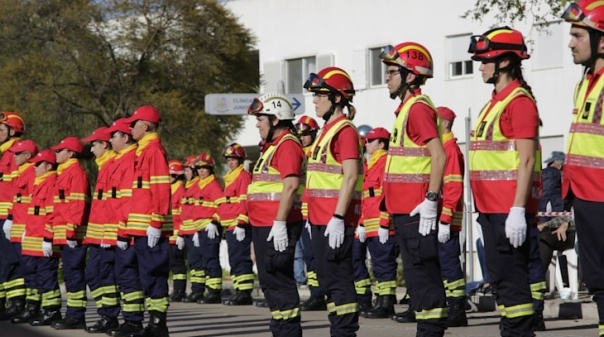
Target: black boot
156 328
383 309
48 317
212 298
457 315
178 296
194 297
70 323
262 304
405 316
314 303
31 310
103 325
15 307
364 308
126 329
539 322
241 298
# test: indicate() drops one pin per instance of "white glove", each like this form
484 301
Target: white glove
239 233
72 243
515 226
105 245
8 225
122 245
47 248
444 232
153 235
278 234
361 233
427 216
212 230
23 236
335 232
308 228
196 239
180 243
384 234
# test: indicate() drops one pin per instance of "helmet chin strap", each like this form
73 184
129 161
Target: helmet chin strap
271 130
332 109
594 41
493 79
403 86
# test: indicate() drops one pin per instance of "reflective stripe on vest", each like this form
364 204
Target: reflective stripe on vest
324 175
267 184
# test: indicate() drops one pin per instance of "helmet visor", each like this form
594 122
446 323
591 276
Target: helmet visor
481 44
230 152
315 82
256 107
574 13
389 54
303 129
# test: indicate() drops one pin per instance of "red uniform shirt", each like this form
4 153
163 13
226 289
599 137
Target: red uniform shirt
187 207
72 202
178 192
39 224
23 187
98 206
371 215
119 195
206 209
452 190
233 204
7 167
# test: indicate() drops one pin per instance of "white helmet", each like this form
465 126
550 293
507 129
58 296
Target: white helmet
272 104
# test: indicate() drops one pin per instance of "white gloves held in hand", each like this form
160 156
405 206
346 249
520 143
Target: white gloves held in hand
515 226
444 232
212 230
383 234
47 248
123 245
196 239
428 211
239 233
361 233
335 232
278 234
8 225
180 243
72 243
153 235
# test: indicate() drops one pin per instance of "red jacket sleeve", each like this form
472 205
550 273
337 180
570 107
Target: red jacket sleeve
245 181
176 209
79 202
452 182
160 188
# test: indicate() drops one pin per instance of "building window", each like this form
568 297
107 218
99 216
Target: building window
297 71
378 69
458 58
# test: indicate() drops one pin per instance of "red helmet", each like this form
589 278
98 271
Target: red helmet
497 42
13 120
409 55
588 13
331 79
204 160
176 167
234 151
306 125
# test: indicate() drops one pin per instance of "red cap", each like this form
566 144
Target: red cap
98 134
44 155
69 143
378 133
146 113
446 113
25 145
120 125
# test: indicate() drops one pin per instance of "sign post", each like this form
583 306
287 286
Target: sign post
237 104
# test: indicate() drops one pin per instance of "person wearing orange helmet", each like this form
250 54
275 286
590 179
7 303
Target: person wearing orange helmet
505 169
582 183
11 129
334 182
375 233
206 240
450 222
412 182
232 214
178 265
273 201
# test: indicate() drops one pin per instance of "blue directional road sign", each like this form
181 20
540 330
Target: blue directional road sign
237 104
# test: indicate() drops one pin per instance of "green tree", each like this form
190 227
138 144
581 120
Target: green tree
70 66
510 11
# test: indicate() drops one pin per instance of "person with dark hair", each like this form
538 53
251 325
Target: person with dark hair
273 200
71 210
505 170
178 264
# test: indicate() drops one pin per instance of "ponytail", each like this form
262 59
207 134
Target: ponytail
516 74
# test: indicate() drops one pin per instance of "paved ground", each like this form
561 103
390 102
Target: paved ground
196 320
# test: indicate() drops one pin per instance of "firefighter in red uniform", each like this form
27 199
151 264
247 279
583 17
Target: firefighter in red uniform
451 219
505 168
375 226
206 239
334 182
119 200
40 257
23 181
189 215
232 211
274 210
11 129
582 182
100 267
71 209
307 129
412 181
178 265
146 223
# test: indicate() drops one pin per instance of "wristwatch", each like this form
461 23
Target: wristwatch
432 196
